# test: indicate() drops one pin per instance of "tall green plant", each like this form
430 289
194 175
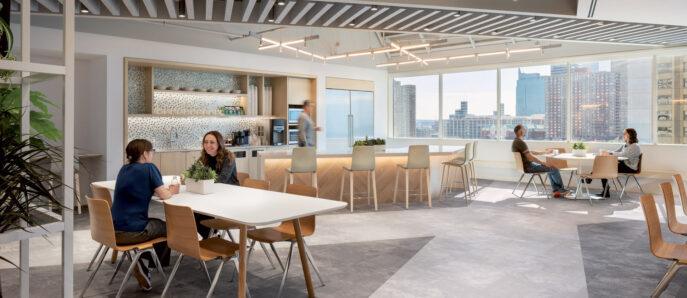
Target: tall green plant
40 120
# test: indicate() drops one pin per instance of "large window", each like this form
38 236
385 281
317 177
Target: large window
469 105
609 96
535 97
671 95
416 106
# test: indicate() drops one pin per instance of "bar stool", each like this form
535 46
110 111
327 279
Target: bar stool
472 165
461 163
303 160
418 159
363 160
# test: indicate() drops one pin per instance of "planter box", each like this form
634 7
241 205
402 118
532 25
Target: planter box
202 187
379 148
579 152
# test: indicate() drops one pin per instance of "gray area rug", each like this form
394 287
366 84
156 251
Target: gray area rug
618 261
349 270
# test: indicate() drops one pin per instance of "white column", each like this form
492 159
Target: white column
68 168
24 131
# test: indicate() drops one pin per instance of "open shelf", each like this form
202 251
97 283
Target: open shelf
199 92
197 116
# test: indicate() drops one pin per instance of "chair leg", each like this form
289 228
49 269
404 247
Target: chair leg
250 251
546 190
441 185
276 255
518 185
586 186
214 281
640 186
267 254
374 188
429 189
398 172
350 182
286 180
119 265
128 273
90 278
474 174
466 183
231 237
114 256
663 283
95 256
314 183
368 188
157 263
171 276
205 269
236 265
407 188
310 258
421 182
526 186
570 179
343 178
286 270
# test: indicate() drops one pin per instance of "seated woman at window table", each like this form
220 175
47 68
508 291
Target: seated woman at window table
137 181
217 157
630 150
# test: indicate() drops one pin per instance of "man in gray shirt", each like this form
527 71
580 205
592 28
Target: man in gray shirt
306 128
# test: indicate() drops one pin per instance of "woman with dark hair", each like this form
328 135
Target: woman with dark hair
217 157
630 150
137 181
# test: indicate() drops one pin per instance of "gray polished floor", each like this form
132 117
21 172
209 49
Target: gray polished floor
495 246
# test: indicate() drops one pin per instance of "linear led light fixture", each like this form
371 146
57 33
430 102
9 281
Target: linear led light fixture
415 46
461 57
524 50
491 53
386 64
424 61
336 57
385 50
359 54
278 44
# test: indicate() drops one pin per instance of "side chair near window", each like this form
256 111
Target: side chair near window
562 165
418 159
676 253
103 194
103 232
242 176
605 167
461 164
632 175
521 168
285 232
303 160
681 189
182 236
363 160
674 225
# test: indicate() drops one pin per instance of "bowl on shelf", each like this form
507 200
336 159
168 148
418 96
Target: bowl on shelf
225 91
187 89
236 91
200 90
159 87
173 88
213 90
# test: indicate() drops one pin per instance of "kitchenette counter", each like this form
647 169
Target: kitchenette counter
396 151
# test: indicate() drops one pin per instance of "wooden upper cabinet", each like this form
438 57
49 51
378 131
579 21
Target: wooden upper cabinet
298 90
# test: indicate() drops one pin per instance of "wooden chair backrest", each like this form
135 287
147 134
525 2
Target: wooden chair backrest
242 177
363 158
182 234
303 160
681 190
474 150
605 166
418 156
639 165
308 222
560 149
101 193
102 227
673 224
518 162
557 162
654 226
256 183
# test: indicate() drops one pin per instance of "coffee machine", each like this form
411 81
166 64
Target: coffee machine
277 132
241 138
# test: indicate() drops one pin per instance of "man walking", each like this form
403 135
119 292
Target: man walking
306 128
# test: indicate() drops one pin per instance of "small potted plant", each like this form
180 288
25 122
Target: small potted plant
378 143
199 178
579 149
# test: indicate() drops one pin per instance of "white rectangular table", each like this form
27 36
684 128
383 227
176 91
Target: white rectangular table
252 207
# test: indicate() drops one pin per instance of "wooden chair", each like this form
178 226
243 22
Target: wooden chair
363 160
242 176
418 159
286 232
521 168
628 175
182 236
303 160
605 167
681 190
562 164
103 194
461 164
674 225
675 253
102 231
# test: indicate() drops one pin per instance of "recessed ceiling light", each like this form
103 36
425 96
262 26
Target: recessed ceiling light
84 10
351 24
532 20
612 39
600 23
181 7
281 3
556 36
271 20
457 14
374 8
426 29
494 32
663 28
665 42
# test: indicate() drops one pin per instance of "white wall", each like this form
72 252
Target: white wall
115 49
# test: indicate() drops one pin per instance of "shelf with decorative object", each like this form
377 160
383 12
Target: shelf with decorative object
199 92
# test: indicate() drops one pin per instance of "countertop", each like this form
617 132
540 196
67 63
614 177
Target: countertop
230 148
346 152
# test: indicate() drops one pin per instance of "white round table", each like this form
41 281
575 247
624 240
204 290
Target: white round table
578 160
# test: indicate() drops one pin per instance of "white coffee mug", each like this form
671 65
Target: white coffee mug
555 151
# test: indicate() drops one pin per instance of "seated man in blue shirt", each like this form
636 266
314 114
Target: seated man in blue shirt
532 164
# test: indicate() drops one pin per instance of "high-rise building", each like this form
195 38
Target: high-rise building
530 94
556 103
404 110
599 106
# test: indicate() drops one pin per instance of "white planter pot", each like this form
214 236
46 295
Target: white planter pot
202 187
380 148
579 152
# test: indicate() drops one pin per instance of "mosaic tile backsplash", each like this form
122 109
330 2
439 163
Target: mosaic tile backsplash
136 94
194 79
189 130
166 100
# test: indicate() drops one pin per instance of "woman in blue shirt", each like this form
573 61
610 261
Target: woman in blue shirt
137 181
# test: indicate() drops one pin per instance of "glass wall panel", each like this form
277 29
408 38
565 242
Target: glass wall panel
671 93
535 97
416 106
609 96
469 105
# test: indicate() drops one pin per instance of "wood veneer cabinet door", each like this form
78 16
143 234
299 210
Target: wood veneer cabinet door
156 161
173 163
191 158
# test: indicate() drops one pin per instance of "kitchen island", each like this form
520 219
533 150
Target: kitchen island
329 171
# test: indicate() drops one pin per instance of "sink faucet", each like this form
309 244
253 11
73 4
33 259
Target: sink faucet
173 137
